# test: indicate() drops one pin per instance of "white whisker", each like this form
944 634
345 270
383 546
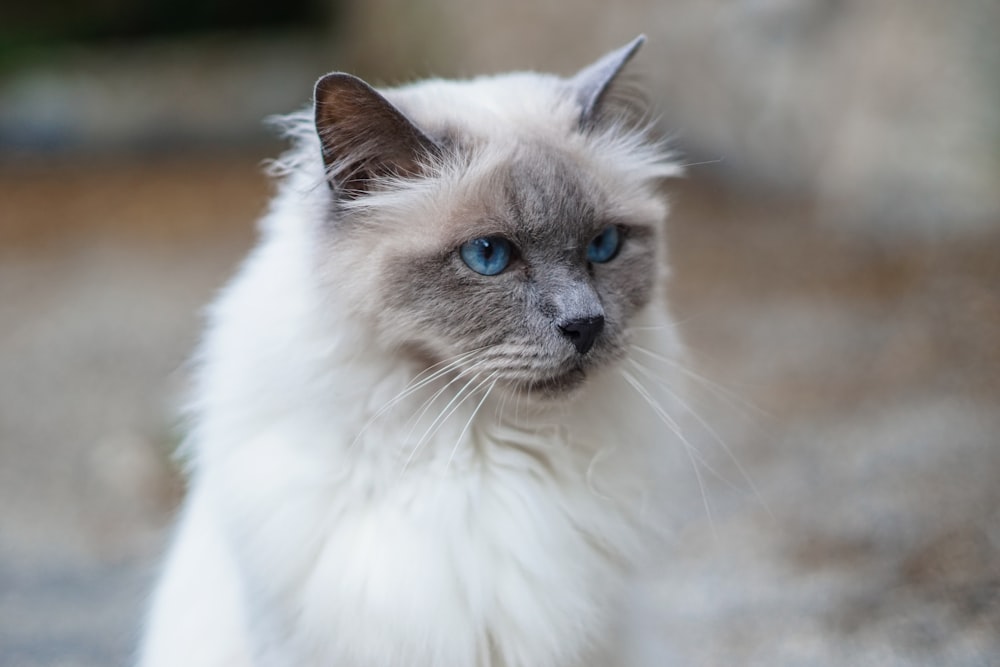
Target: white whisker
693 455
501 404
711 431
436 426
426 405
687 165
679 432
449 409
415 384
731 396
589 475
475 411
517 404
675 324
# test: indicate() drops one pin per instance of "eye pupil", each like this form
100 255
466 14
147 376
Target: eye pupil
605 245
488 255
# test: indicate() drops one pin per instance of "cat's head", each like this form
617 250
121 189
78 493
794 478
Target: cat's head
511 224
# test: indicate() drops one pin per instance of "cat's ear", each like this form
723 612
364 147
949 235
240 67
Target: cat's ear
363 136
591 84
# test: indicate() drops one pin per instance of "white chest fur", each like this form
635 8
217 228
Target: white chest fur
508 546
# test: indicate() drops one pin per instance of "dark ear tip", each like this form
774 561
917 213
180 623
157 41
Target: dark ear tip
335 81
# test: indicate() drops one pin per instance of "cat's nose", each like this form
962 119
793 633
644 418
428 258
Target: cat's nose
583 332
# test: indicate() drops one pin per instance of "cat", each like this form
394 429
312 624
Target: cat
432 410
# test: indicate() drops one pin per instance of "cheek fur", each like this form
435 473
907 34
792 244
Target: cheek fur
435 302
626 284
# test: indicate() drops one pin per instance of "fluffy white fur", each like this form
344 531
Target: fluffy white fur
317 532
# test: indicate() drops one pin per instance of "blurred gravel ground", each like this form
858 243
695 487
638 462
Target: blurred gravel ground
104 269
863 529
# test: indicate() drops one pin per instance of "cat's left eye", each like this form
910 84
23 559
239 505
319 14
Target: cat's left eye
605 245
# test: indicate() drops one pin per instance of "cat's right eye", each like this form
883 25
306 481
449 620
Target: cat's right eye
488 255
605 245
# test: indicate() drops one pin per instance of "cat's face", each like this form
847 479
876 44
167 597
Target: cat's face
518 255
528 274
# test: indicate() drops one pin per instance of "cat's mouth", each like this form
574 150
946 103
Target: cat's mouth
557 385
571 375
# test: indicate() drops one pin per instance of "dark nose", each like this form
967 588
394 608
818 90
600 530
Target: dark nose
583 332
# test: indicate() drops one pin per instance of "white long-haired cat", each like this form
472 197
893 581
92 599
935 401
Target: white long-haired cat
421 436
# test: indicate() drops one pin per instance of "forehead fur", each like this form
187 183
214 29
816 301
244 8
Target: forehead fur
514 146
532 193
496 130
505 112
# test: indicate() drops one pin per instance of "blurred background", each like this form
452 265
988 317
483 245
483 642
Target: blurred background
836 274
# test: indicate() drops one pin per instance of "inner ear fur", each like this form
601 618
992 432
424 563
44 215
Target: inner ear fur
363 136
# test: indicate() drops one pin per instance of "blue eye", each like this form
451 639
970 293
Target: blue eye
605 245
488 255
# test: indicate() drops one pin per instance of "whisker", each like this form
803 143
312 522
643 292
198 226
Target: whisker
425 406
419 444
692 452
475 411
461 355
454 409
702 163
712 432
440 419
415 384
731 396
517 404
502 404
679 432
589 474
675 324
